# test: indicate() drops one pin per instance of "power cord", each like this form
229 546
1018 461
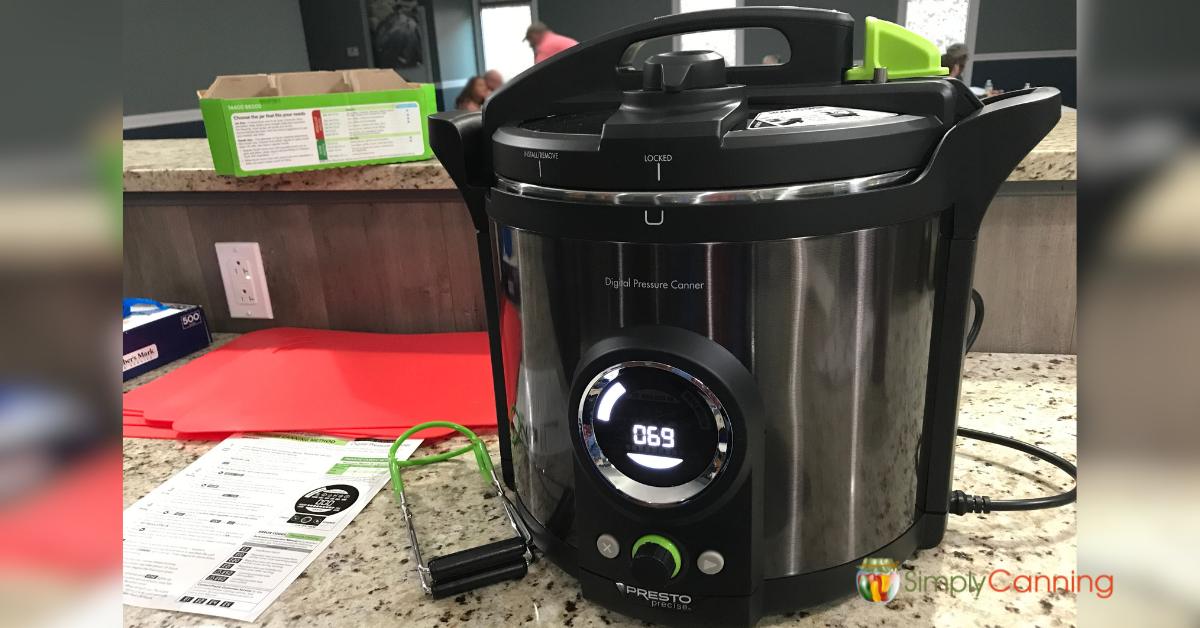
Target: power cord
962 503
977 321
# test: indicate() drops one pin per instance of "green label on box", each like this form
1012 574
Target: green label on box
251 136
267 140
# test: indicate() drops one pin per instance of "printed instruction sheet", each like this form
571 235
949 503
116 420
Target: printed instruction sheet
307 137
229 533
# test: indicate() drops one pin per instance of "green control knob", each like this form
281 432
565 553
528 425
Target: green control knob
655 560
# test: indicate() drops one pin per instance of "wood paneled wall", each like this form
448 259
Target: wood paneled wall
1025 269
406 262
349 262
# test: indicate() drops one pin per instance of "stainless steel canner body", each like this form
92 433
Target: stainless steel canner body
834 329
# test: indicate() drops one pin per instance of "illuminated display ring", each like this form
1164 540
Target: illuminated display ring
645 493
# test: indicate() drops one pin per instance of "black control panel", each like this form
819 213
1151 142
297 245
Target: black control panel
668 448
701 570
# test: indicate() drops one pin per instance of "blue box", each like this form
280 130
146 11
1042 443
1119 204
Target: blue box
152 339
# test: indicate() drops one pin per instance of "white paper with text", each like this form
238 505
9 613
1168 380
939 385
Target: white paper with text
229 533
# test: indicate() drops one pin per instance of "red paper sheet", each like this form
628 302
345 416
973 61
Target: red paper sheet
70 525
344 383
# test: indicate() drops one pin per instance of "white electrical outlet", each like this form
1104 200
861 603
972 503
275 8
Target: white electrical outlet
244 279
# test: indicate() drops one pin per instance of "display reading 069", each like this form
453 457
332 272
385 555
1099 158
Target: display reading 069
654 426
653 436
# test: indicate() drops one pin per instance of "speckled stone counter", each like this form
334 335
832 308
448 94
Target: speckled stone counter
366 578
186 166
1054 158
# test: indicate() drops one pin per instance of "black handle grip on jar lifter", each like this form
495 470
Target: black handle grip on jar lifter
468 569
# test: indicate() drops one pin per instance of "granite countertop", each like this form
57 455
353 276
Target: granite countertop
366 578
186 166
1054 158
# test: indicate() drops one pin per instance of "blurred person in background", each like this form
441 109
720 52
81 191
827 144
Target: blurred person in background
955 58
494 80
472 95
545 42
770 60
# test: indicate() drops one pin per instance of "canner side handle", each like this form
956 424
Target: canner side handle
987 145
459 143
980 153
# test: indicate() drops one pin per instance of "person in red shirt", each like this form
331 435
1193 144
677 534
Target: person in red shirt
545 42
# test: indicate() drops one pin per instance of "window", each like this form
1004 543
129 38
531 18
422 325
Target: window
504 46
724 43
944 22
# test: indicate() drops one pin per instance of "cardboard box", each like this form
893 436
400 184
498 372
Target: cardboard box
267 123
156 338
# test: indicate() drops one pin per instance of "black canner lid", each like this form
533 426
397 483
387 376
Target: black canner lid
591 119
881 142
687 129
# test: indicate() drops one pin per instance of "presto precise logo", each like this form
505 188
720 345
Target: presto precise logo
657 599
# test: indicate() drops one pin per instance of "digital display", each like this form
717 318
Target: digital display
654 426
653 436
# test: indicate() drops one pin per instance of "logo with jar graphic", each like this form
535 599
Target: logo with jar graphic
878 580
